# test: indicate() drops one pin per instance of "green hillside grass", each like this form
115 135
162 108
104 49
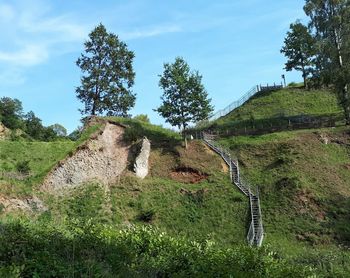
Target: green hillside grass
269 108
44 249
40 157
304 193
305 190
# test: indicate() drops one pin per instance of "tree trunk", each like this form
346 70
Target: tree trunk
184 136
346 104
304 72
93 110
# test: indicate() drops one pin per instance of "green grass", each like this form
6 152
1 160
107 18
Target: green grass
305 189
85 249
273 108
41 157
210 209
287 102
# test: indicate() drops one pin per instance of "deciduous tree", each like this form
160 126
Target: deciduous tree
184 98
299 49
330 20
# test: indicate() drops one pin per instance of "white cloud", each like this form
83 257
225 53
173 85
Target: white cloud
31 35
151 32
27 56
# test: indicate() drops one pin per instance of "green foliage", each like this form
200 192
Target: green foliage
330 21
35 129
59 130
11 113
142 118
108 75
23 167
299 48
184 99
42 249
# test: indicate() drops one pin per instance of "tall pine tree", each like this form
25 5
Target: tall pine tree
107 75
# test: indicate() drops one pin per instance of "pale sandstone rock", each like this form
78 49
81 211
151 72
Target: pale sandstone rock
141 163
102 159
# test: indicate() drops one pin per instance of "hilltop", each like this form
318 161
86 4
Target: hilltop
288 108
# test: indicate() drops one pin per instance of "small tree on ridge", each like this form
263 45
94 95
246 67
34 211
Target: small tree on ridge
185 99
299 49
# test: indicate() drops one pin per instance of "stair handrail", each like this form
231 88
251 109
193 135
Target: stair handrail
253 236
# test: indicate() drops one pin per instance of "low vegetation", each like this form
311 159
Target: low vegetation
84 249
303 177
276 108
25 162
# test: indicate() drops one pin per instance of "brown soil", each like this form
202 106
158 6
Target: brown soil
29 204
307 204
188 175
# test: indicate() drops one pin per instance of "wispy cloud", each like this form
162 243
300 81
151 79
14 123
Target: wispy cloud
30 35
27 56
150 32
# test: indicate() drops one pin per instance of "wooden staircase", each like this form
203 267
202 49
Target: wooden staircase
255 234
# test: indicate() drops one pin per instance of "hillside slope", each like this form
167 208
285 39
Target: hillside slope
303 178
281 109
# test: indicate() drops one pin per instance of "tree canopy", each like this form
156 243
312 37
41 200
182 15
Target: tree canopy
108 75
184 98
299 48
11 112
330 21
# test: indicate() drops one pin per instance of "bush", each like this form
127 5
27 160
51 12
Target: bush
43 249
23 167
146 215
142 118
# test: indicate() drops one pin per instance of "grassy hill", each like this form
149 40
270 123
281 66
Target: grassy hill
189 197
303 175
24 163
277 108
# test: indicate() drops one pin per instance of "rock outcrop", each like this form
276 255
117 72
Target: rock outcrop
30 204
141 163
4 131
102 159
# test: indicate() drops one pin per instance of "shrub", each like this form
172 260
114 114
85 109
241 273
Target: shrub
23 167
146 215
43 249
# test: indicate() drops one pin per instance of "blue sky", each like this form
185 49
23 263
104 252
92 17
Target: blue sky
233 44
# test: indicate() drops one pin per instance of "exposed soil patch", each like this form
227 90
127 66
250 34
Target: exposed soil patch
307 204
188 175
29 204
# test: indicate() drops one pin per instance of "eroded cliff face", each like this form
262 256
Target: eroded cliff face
101 159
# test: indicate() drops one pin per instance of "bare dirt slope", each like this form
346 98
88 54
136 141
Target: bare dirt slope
102 159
